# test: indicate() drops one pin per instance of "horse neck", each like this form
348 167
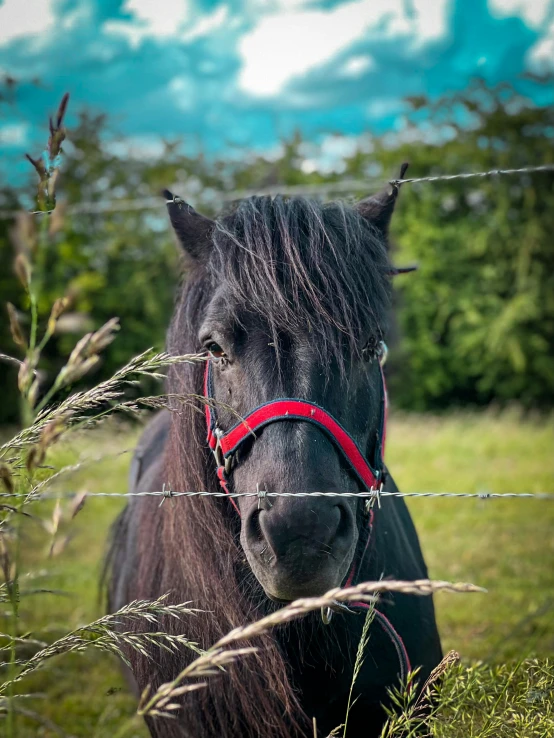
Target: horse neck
393 548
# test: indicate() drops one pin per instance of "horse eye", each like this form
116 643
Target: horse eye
215 350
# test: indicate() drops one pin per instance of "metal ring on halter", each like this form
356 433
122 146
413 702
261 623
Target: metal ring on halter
220 459
327 612
217 451
383 353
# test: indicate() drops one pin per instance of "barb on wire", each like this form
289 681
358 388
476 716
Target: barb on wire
346 186
375 494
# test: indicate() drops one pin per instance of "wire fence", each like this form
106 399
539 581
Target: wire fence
341 186
261 494
104 206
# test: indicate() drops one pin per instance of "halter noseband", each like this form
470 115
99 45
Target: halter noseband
224 444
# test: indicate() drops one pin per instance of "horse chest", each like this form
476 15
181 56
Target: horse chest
321 659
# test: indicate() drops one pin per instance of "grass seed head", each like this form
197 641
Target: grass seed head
15 327
59 307
6 477
47 166
22 268
25 375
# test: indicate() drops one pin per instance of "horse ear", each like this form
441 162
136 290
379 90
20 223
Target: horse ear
192 229
378 209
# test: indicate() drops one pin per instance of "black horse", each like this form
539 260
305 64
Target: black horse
289 298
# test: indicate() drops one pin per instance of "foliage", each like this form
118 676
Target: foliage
480 701
476 322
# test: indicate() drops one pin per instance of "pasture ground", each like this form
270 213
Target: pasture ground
506 546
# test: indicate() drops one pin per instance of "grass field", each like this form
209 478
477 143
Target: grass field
506 546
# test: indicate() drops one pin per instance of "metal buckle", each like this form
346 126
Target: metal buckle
220 459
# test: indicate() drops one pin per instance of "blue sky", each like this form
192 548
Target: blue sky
234 75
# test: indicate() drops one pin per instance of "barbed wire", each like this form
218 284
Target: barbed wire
349 185
262 494
470 175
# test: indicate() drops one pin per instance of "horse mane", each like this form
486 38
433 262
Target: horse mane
302 265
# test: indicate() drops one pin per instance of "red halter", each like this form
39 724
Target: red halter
224 444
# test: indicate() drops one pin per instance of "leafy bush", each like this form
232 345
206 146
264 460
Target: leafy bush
476 322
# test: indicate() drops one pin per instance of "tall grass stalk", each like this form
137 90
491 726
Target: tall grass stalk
106 634
24 472
360 656
47 167
217 656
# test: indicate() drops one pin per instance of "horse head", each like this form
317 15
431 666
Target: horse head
291 302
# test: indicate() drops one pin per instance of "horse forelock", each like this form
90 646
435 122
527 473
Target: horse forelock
304 267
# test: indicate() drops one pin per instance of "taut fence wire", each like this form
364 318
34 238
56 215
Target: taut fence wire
344 186
375 494
472 175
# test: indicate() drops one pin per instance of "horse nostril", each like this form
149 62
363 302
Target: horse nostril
344 526
255 532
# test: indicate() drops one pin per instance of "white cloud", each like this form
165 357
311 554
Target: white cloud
358 64
75 17
541 56
146 146
533 12
285 45
330 154
159 18
207 24
14 134
132 33
151 18
21 18
383 106
184 92
291 4
426 21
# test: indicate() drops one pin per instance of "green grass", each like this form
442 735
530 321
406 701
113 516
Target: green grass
505 545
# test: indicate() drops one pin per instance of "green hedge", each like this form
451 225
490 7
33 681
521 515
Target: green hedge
476 322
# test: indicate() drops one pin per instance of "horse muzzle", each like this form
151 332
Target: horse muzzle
300 546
